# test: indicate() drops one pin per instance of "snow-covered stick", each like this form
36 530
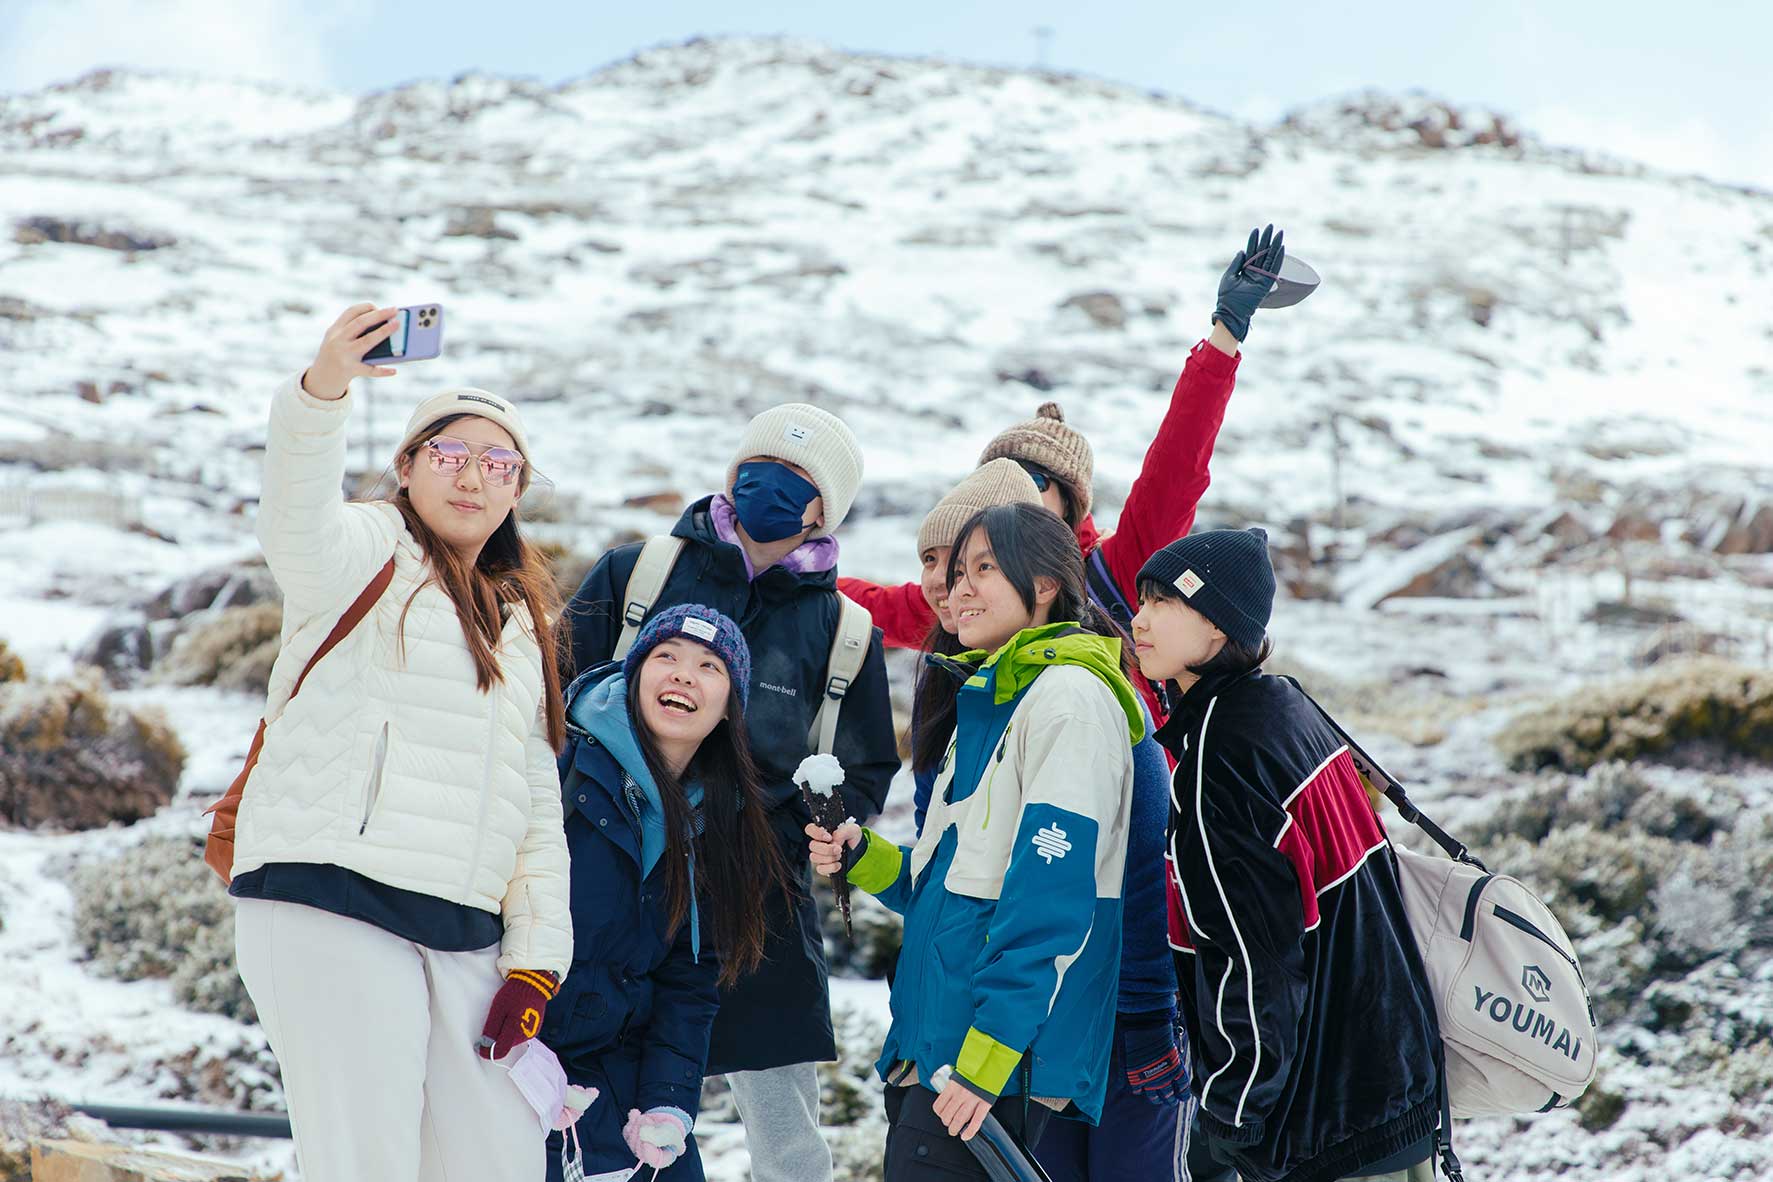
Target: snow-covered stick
818 777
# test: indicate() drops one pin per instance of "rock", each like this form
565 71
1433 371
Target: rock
1104 308
1632 524
120 650
81 1161
1033 376
88 392
1749 533
226 586
476 221
668 502
32 231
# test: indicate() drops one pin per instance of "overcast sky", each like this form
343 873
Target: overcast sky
1681 86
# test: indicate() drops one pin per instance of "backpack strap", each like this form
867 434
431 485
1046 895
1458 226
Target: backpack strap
849 648
645 582
1369 767
1106 592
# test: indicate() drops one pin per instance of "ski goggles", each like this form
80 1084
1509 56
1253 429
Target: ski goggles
449 455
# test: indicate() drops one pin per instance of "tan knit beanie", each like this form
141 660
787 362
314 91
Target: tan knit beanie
815 439
994 483
1047 441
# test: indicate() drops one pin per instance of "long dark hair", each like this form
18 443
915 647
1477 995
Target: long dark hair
738 865
1029 542
509 570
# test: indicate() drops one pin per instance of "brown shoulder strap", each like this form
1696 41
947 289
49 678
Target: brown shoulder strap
353 616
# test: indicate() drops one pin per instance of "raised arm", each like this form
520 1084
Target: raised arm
321 550
1161 505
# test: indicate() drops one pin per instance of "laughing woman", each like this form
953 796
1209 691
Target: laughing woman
672 859
399 860
1012 895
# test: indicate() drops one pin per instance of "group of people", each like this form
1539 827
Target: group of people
1149 925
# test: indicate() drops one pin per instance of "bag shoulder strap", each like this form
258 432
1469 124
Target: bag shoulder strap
1369 767
360 607
849 648
645 582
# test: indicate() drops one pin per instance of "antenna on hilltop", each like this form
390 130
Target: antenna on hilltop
1043 43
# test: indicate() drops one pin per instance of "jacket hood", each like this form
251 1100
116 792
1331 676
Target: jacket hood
1033 650
599 707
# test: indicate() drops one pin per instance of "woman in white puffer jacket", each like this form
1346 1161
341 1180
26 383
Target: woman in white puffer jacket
399 862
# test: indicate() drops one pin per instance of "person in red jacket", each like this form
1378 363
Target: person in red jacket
1159 509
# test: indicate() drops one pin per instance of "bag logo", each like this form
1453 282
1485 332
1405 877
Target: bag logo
1524 1019
699 628
1189 583
794 433
1536 983
1051 843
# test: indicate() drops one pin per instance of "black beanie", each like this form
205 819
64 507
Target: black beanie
1225 575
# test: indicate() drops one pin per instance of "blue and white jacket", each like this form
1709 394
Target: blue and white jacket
1012 895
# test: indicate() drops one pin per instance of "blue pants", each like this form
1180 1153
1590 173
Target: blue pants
1137 1141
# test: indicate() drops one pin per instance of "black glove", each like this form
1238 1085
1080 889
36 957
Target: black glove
1250 277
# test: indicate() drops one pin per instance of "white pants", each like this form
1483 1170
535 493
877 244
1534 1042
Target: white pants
375 1036
780 1110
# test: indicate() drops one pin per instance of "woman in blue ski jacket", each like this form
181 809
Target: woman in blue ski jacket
1012 895
672 858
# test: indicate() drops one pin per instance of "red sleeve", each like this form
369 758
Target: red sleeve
1160 507
901 613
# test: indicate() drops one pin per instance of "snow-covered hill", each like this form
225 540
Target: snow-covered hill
1534 383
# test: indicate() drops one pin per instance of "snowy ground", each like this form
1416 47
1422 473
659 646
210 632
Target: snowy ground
1514 353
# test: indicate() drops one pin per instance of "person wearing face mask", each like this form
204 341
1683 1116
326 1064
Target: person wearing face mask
399 864
672 858
1012 894
763 554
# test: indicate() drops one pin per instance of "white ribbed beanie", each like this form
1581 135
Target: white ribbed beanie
816 440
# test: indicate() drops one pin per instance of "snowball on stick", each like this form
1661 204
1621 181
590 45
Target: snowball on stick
818 777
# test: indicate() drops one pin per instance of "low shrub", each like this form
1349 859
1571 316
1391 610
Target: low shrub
71 758
233 651
1701 709
12 667
156 911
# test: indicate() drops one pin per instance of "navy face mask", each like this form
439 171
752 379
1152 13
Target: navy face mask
771 499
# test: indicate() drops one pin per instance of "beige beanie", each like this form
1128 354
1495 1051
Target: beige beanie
466 400
994 483
1046 440
816 440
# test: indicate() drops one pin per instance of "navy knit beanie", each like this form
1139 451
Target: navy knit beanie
1225 575
705 626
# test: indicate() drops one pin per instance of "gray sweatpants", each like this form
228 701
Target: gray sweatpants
780 1111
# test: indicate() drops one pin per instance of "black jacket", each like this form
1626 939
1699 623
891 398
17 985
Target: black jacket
1316 1048
632 1017
781 1013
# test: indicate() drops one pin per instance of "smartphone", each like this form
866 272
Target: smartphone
418 336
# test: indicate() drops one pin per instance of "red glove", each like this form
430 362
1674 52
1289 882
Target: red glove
516 1012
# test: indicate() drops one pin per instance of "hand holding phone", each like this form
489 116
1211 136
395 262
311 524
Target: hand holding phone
417 336
364 334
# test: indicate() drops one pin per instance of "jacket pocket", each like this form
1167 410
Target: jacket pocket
372 783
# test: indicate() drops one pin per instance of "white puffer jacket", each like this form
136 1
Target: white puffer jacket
389 763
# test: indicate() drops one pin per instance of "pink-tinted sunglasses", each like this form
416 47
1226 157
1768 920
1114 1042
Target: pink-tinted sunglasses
449 455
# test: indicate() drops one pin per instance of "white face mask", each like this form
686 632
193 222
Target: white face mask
538 1075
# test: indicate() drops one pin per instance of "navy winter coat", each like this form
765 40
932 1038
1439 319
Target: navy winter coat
781 1013
634 1013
